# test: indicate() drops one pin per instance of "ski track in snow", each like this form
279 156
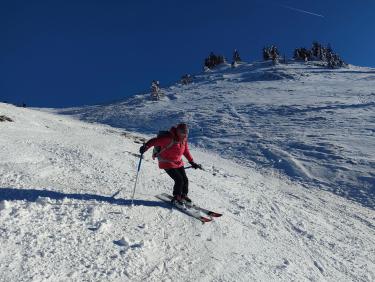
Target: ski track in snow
313 124
58 221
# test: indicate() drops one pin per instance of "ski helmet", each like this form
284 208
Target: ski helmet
183 128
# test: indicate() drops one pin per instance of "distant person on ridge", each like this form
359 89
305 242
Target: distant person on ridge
170 146
155 90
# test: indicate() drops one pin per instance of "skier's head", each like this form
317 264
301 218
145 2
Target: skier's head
182 130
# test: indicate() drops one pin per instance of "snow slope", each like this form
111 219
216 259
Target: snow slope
58 221
313 124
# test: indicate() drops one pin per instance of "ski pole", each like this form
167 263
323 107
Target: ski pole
187 167
136 178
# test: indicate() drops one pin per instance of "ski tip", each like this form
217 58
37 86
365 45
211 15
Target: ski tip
205 219
215 214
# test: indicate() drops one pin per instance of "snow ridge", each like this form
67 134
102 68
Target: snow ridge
315 125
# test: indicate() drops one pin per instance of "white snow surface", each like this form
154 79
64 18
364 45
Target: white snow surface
312 124
58 221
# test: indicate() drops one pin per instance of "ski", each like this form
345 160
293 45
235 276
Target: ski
205 211
183 208
195 207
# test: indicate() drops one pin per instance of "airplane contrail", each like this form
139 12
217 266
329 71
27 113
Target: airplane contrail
302 11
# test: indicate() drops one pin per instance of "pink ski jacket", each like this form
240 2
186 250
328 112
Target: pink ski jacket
172 150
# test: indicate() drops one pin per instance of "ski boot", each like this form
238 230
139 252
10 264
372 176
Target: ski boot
186 199
177 200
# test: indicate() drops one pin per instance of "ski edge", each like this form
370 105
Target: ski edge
203 210
184 209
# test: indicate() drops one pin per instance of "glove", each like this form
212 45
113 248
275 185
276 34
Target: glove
142 149
195 165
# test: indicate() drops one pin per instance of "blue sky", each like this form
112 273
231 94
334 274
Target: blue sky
69 53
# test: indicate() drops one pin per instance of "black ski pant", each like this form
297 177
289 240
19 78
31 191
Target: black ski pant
181 182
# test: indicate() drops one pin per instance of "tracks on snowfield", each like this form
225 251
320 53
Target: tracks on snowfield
56 221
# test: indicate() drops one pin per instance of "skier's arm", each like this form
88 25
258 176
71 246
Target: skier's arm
187 153
162 142
189 157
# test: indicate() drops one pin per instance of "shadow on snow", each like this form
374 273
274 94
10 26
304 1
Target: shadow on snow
32 195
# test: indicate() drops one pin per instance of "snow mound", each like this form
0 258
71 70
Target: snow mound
4 205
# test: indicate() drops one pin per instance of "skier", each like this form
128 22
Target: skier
170 147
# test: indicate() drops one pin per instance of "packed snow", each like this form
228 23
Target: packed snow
275 142
313 124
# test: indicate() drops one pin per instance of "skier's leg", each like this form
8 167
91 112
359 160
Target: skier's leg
185 186
178 180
